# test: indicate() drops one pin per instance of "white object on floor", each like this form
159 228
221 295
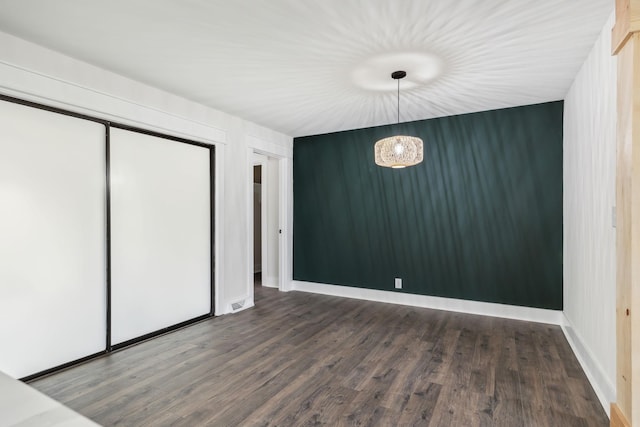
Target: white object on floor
24 406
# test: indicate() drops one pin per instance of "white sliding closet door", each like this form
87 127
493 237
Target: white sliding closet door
160 233
52 239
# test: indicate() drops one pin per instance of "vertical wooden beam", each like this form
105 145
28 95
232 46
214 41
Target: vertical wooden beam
626 45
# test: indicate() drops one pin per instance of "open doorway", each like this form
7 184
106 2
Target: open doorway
266 221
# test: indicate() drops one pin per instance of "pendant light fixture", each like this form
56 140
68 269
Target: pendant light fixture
398 151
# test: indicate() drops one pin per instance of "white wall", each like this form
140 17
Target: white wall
272 222
589 174
31 72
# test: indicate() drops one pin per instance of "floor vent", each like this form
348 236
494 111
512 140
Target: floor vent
237 305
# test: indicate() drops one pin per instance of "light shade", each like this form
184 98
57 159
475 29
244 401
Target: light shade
398 151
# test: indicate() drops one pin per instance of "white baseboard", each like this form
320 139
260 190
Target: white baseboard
604 388
270 281
554 317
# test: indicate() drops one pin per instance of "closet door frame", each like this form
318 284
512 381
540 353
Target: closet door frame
182 324
108 125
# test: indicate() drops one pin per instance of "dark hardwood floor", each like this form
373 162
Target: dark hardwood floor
300 359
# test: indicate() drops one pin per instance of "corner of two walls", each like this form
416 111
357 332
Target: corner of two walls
589 244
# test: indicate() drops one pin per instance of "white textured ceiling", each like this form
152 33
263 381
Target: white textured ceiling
306 67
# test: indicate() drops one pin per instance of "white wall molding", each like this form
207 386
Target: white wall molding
260 146
219 241
603 387
285 258
33 86
35 73
438 303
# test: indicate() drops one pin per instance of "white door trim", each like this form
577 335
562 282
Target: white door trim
285 241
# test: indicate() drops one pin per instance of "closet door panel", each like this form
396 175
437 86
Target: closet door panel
160 233
52 239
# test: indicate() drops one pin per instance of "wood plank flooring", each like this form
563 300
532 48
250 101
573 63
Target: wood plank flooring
300 359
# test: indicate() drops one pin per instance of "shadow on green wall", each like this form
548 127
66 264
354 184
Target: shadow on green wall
480 219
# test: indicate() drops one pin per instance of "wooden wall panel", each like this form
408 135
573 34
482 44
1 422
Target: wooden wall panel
626 45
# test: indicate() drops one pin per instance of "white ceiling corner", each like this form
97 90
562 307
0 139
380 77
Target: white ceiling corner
304 67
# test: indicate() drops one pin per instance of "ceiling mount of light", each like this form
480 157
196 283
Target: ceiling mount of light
401 150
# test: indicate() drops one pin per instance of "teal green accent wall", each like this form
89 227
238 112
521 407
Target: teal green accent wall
480 219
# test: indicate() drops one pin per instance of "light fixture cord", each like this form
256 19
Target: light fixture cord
398 101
